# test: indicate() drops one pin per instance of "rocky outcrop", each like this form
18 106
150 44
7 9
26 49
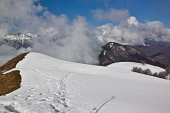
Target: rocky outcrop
113 52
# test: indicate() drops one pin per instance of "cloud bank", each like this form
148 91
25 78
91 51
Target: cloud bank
73 40
133 32
61 38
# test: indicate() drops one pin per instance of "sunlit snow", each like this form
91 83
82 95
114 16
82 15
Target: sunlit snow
50 85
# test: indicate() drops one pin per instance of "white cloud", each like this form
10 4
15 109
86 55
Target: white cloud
77 43
132 32
18 15
111 14
6 53
132 20
73 41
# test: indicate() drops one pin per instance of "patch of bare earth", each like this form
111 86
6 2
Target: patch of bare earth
11 81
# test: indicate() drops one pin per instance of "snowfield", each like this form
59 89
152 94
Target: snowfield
50 85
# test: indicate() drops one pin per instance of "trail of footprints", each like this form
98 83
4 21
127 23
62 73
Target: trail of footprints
58 91
55 98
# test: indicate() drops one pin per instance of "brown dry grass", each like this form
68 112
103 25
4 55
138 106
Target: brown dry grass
9 82
12 63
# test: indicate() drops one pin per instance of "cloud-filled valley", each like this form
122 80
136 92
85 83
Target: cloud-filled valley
73 40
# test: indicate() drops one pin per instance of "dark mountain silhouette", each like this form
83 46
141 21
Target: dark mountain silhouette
113 52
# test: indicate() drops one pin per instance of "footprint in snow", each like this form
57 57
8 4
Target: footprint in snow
29 97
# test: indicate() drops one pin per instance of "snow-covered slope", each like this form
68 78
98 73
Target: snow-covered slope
130 65
50 85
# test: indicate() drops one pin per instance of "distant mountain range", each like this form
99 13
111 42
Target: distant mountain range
163 56
112 52
157 50
19 40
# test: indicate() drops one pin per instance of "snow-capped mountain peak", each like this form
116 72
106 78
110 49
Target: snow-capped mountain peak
20 40
21 36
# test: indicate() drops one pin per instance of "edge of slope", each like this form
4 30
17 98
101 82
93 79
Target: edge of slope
11 81
12 63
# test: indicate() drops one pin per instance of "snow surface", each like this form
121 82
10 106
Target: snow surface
50 85
130 65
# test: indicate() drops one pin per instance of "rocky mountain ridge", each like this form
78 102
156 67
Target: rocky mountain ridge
113 52
20 40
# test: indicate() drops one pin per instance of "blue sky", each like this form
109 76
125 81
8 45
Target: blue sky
143 10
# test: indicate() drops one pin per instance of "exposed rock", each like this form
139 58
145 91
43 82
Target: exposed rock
113 52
